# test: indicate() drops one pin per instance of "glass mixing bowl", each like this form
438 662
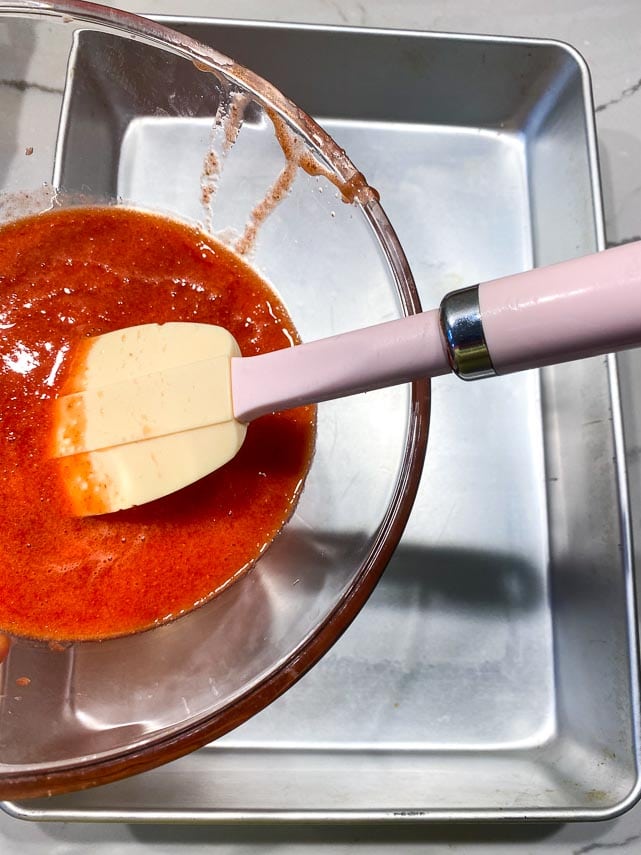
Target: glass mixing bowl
101 106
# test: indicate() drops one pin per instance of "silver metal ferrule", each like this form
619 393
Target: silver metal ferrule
462 329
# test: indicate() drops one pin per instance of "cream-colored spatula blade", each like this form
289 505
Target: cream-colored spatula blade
147 411
124 476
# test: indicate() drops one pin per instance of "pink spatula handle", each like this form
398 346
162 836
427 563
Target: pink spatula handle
571 310
579 308
370 358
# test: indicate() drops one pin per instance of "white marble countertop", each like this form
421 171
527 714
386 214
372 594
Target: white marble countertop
609 36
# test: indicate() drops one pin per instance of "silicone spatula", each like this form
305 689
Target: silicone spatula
150 409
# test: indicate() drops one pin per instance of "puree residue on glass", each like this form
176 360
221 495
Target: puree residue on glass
77 272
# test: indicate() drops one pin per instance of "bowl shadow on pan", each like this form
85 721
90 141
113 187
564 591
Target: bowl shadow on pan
472 579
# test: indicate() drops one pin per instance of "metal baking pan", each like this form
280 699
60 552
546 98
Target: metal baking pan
494 672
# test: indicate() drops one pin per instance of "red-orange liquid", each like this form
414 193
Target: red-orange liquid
80 272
